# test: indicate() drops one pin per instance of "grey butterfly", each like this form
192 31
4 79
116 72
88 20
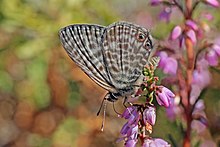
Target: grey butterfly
113 56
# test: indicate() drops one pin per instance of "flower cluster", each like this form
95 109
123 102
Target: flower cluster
142 117
186 65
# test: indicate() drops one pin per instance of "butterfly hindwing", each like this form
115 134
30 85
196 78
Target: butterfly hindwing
124 55
83 45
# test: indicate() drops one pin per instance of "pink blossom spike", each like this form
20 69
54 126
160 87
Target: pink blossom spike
192 24
176 32
213 3
192 36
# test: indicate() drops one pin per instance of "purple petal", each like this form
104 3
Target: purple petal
198 126
147 142
157 142
130 143
173 109
126 114
216 48
133 131
125 129
201 78
168 92
212 58
192 36
134 118
149 115
163 56
160 142
213 3
202 64
162 99
200 105
176 32
170 66
192 24
182 42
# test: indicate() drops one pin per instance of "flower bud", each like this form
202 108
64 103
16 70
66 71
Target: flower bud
176 32
163 96
149 115
213 3
192 36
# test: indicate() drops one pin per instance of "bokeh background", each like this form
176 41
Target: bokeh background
46 100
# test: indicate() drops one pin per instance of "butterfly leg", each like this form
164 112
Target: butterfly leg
104 105
126 101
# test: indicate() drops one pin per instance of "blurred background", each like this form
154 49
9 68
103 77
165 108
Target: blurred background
46 100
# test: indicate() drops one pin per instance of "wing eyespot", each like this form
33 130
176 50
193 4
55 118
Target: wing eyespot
141 37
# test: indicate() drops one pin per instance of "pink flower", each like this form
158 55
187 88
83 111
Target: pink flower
192 36
169 65
163 96
149 115
192 24
130 143
212 58
176 32
201 78
198 126
163 56
213 3
129 131
156 142
213 54
216 48
174 110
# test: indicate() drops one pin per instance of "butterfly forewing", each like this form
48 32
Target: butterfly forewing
83 45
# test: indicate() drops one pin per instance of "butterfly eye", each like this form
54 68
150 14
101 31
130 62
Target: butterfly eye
141 37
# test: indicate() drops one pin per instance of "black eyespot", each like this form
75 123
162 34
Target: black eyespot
141 37
148 44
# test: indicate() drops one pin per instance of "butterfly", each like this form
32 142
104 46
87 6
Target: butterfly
113 56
